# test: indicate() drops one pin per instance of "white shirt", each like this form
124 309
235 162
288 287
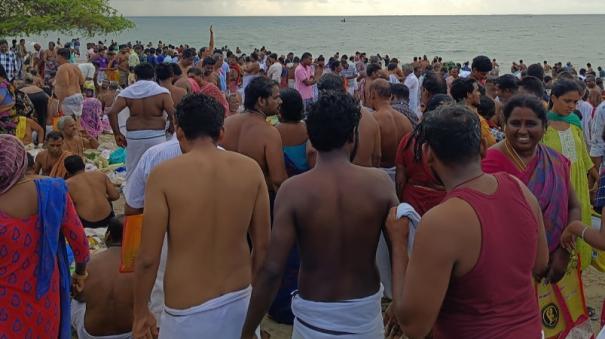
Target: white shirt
275 71
393 79
88 70
586 109
411 82
597 144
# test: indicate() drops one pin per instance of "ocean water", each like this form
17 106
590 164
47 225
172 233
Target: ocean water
508 38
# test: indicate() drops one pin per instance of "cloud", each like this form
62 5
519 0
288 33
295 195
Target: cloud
353 7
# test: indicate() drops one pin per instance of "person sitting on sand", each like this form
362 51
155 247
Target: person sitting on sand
104 308
50 161
25 129
75 141
92 193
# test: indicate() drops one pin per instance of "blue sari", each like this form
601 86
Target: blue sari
52 197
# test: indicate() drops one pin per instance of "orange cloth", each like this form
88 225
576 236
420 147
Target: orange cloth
131 241
58 170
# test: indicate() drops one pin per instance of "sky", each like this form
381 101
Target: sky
353 7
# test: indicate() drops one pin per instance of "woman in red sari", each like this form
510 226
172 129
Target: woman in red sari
36 216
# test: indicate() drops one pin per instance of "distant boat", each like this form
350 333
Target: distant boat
343 20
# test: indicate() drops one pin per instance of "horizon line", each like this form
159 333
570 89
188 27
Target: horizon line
355 15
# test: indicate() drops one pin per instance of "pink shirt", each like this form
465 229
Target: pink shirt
300 74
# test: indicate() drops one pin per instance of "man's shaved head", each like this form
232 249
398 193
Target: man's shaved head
381 87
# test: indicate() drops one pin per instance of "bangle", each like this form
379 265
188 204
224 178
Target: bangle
80 276
584 231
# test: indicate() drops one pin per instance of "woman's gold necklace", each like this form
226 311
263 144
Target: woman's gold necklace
515 157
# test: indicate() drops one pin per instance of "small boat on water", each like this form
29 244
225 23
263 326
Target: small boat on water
343 20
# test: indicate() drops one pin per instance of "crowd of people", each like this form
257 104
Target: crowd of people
305 189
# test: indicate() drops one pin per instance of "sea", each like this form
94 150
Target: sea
507 38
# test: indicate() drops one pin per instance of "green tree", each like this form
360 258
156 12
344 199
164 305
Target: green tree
89 17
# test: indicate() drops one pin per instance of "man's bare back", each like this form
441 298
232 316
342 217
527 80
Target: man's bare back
108 294
91 193
249 134
208 216
337 232
369 147
393 126
146 113
177 94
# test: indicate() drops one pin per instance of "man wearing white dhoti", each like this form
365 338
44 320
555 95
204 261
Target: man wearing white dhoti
146 126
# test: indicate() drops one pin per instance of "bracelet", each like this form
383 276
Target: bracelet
584 231
80 276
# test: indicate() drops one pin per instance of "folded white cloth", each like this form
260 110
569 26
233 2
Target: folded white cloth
78 313
347 319
143 89
383 259
222 317
406 210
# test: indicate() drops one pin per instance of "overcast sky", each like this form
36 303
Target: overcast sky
354 7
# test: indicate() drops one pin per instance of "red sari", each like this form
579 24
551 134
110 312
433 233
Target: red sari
21 314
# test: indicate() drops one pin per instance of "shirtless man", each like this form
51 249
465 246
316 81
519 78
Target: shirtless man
368 148
208 71
146 126
92 193
249 133
50 161
336 232
165 75
372 73
123 66
75 141
208 217
186 61
68 85
393 125
104 307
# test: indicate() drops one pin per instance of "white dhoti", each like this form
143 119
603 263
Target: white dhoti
349 319
78 312
137 143
391 172
222 317
72 105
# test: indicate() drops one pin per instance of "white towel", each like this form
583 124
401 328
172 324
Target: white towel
383 259
359 318
406 210
143 89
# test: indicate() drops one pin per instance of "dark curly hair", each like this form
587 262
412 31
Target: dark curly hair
200 115
453 132
333 120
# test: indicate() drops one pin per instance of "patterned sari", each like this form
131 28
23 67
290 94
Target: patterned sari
547 177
